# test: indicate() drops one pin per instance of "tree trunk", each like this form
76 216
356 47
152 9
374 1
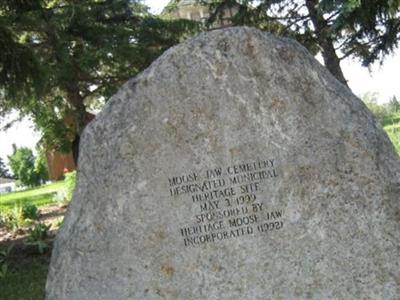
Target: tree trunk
75 148
325 41
76 100
72 90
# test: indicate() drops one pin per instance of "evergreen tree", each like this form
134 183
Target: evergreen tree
366 29
3 170
59 56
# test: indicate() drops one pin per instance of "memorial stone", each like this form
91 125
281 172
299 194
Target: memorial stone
234 167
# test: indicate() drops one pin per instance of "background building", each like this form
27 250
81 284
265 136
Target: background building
7 185
195 11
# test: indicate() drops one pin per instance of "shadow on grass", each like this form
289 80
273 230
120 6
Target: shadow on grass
391 120
26 283
27 272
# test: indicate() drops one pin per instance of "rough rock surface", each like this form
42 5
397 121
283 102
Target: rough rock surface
234 167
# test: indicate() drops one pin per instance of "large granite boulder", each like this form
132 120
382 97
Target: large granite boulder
234 167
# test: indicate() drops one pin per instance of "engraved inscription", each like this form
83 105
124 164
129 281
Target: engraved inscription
228 203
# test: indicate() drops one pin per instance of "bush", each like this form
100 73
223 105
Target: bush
37 237
64 196
4 254
30 211
26 281
70 180
18 218
13 220
3 218
382 112
61 197
394 105
41 168
29 171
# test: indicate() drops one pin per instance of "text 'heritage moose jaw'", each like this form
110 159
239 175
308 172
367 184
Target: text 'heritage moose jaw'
234 167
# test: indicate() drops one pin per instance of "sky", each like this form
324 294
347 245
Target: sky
380 79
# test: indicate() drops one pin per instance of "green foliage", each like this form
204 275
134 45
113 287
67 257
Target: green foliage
394 105
13 219
388 115
3 218
61 56
156 35
4 254
64 195
16 218
380 111
26 168
366 30
3 269
392 127
384 113
41 168
50 119
70 182
26 281
22 164
21 73
3 170
30 211
37 237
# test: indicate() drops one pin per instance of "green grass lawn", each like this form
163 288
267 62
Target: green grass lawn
392 127
26 278
27 283
39 196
